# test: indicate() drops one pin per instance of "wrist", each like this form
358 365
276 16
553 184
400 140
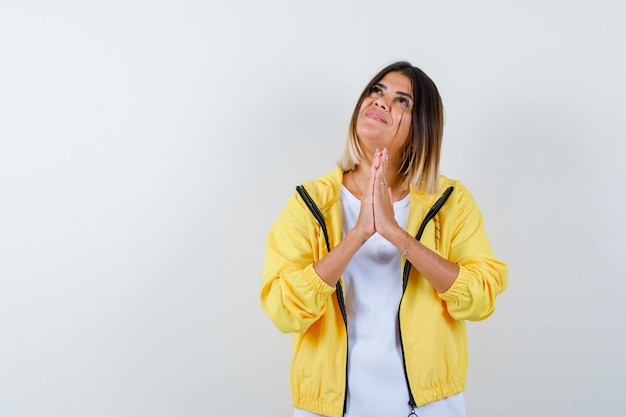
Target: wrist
358 235
402 251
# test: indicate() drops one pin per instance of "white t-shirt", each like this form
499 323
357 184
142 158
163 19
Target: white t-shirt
372 286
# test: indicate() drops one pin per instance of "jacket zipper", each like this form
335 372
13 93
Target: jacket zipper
339 289
405 280
342 307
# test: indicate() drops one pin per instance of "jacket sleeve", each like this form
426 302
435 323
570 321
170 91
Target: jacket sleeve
292 293
481 277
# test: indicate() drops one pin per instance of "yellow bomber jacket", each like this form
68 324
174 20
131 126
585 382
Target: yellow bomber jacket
432 324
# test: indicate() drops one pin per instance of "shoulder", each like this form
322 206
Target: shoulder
458 196
457 193
325 190
461 202
459 189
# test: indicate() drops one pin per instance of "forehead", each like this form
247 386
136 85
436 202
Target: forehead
397 82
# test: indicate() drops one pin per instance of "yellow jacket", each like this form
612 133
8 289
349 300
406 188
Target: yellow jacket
432 324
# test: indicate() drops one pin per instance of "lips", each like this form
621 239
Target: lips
375 115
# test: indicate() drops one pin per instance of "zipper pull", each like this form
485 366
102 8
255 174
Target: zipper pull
412 413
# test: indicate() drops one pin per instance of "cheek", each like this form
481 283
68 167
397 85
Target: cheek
405 125
367 101
405 121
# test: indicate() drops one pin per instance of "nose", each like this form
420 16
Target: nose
382 103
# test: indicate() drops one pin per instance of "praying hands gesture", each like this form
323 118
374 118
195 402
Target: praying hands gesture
377 216
377 213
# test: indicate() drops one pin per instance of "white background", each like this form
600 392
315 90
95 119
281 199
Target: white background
147 146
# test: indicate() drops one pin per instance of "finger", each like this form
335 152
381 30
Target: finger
373 170
380 177
377 175
384 163
377 159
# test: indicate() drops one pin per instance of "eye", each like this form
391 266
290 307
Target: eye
404 102
376 90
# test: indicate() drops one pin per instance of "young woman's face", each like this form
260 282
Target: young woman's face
384 118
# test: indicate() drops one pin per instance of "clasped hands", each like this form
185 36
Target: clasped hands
377 214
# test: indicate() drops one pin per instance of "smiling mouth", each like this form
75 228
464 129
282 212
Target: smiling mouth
374 115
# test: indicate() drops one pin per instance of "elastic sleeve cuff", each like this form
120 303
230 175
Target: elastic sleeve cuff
458 288
316 283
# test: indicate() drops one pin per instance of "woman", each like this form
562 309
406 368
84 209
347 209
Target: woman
378 313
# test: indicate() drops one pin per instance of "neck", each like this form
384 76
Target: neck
392 176
360 178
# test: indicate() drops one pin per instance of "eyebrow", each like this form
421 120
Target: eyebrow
400 93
